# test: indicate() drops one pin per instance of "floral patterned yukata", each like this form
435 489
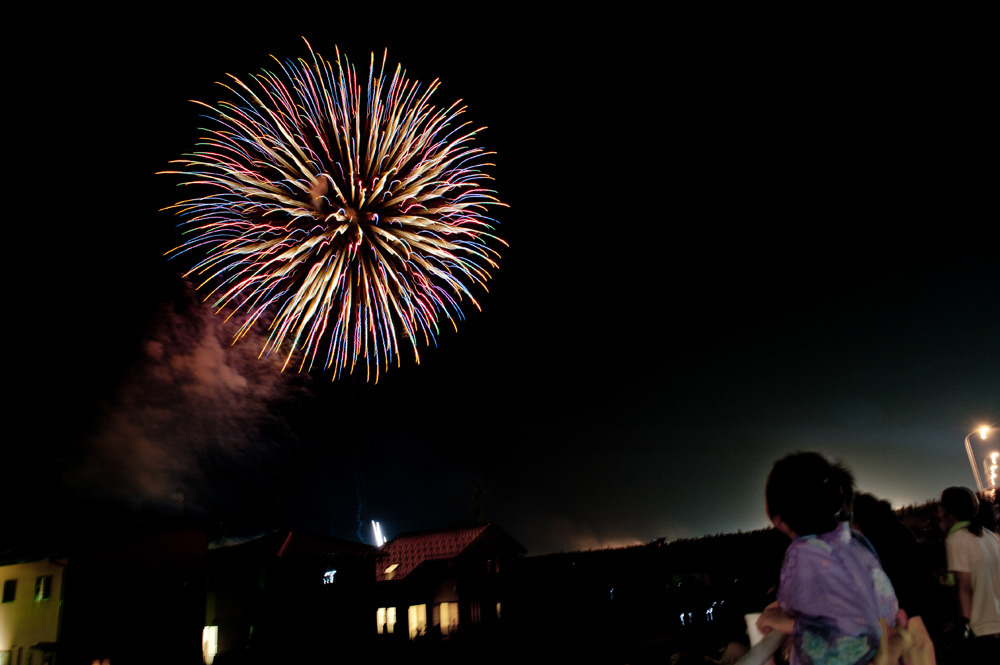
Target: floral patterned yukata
834 587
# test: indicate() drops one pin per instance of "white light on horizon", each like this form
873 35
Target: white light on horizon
377 531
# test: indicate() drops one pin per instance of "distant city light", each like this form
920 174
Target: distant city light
328 576
991 466
377 531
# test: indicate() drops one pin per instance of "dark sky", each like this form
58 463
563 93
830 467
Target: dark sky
731 237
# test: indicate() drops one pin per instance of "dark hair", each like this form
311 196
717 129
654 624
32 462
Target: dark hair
962 504
810 493
872 514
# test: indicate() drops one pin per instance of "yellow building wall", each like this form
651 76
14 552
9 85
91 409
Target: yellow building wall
26 621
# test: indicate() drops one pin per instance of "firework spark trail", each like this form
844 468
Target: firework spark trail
345 221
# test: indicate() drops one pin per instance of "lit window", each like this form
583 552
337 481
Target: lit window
43 588
209 643
386 620
417 616
9 590
390 572
449 618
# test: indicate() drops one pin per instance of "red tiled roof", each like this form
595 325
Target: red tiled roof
411 550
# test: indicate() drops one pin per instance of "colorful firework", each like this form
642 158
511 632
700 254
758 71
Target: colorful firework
346 220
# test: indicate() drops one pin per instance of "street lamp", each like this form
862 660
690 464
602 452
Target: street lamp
989 462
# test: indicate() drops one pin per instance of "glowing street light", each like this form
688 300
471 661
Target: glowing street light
989 462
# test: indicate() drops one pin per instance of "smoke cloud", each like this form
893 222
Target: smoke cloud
196 425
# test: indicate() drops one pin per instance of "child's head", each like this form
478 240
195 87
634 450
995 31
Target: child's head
809 493
960 503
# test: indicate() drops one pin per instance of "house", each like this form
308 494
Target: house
135 595
286 596
444 581
30 610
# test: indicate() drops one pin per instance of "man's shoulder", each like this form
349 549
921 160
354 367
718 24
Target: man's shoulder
962 537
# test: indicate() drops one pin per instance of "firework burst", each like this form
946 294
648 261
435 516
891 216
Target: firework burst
349 221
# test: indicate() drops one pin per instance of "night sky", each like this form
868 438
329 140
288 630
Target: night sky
730 237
